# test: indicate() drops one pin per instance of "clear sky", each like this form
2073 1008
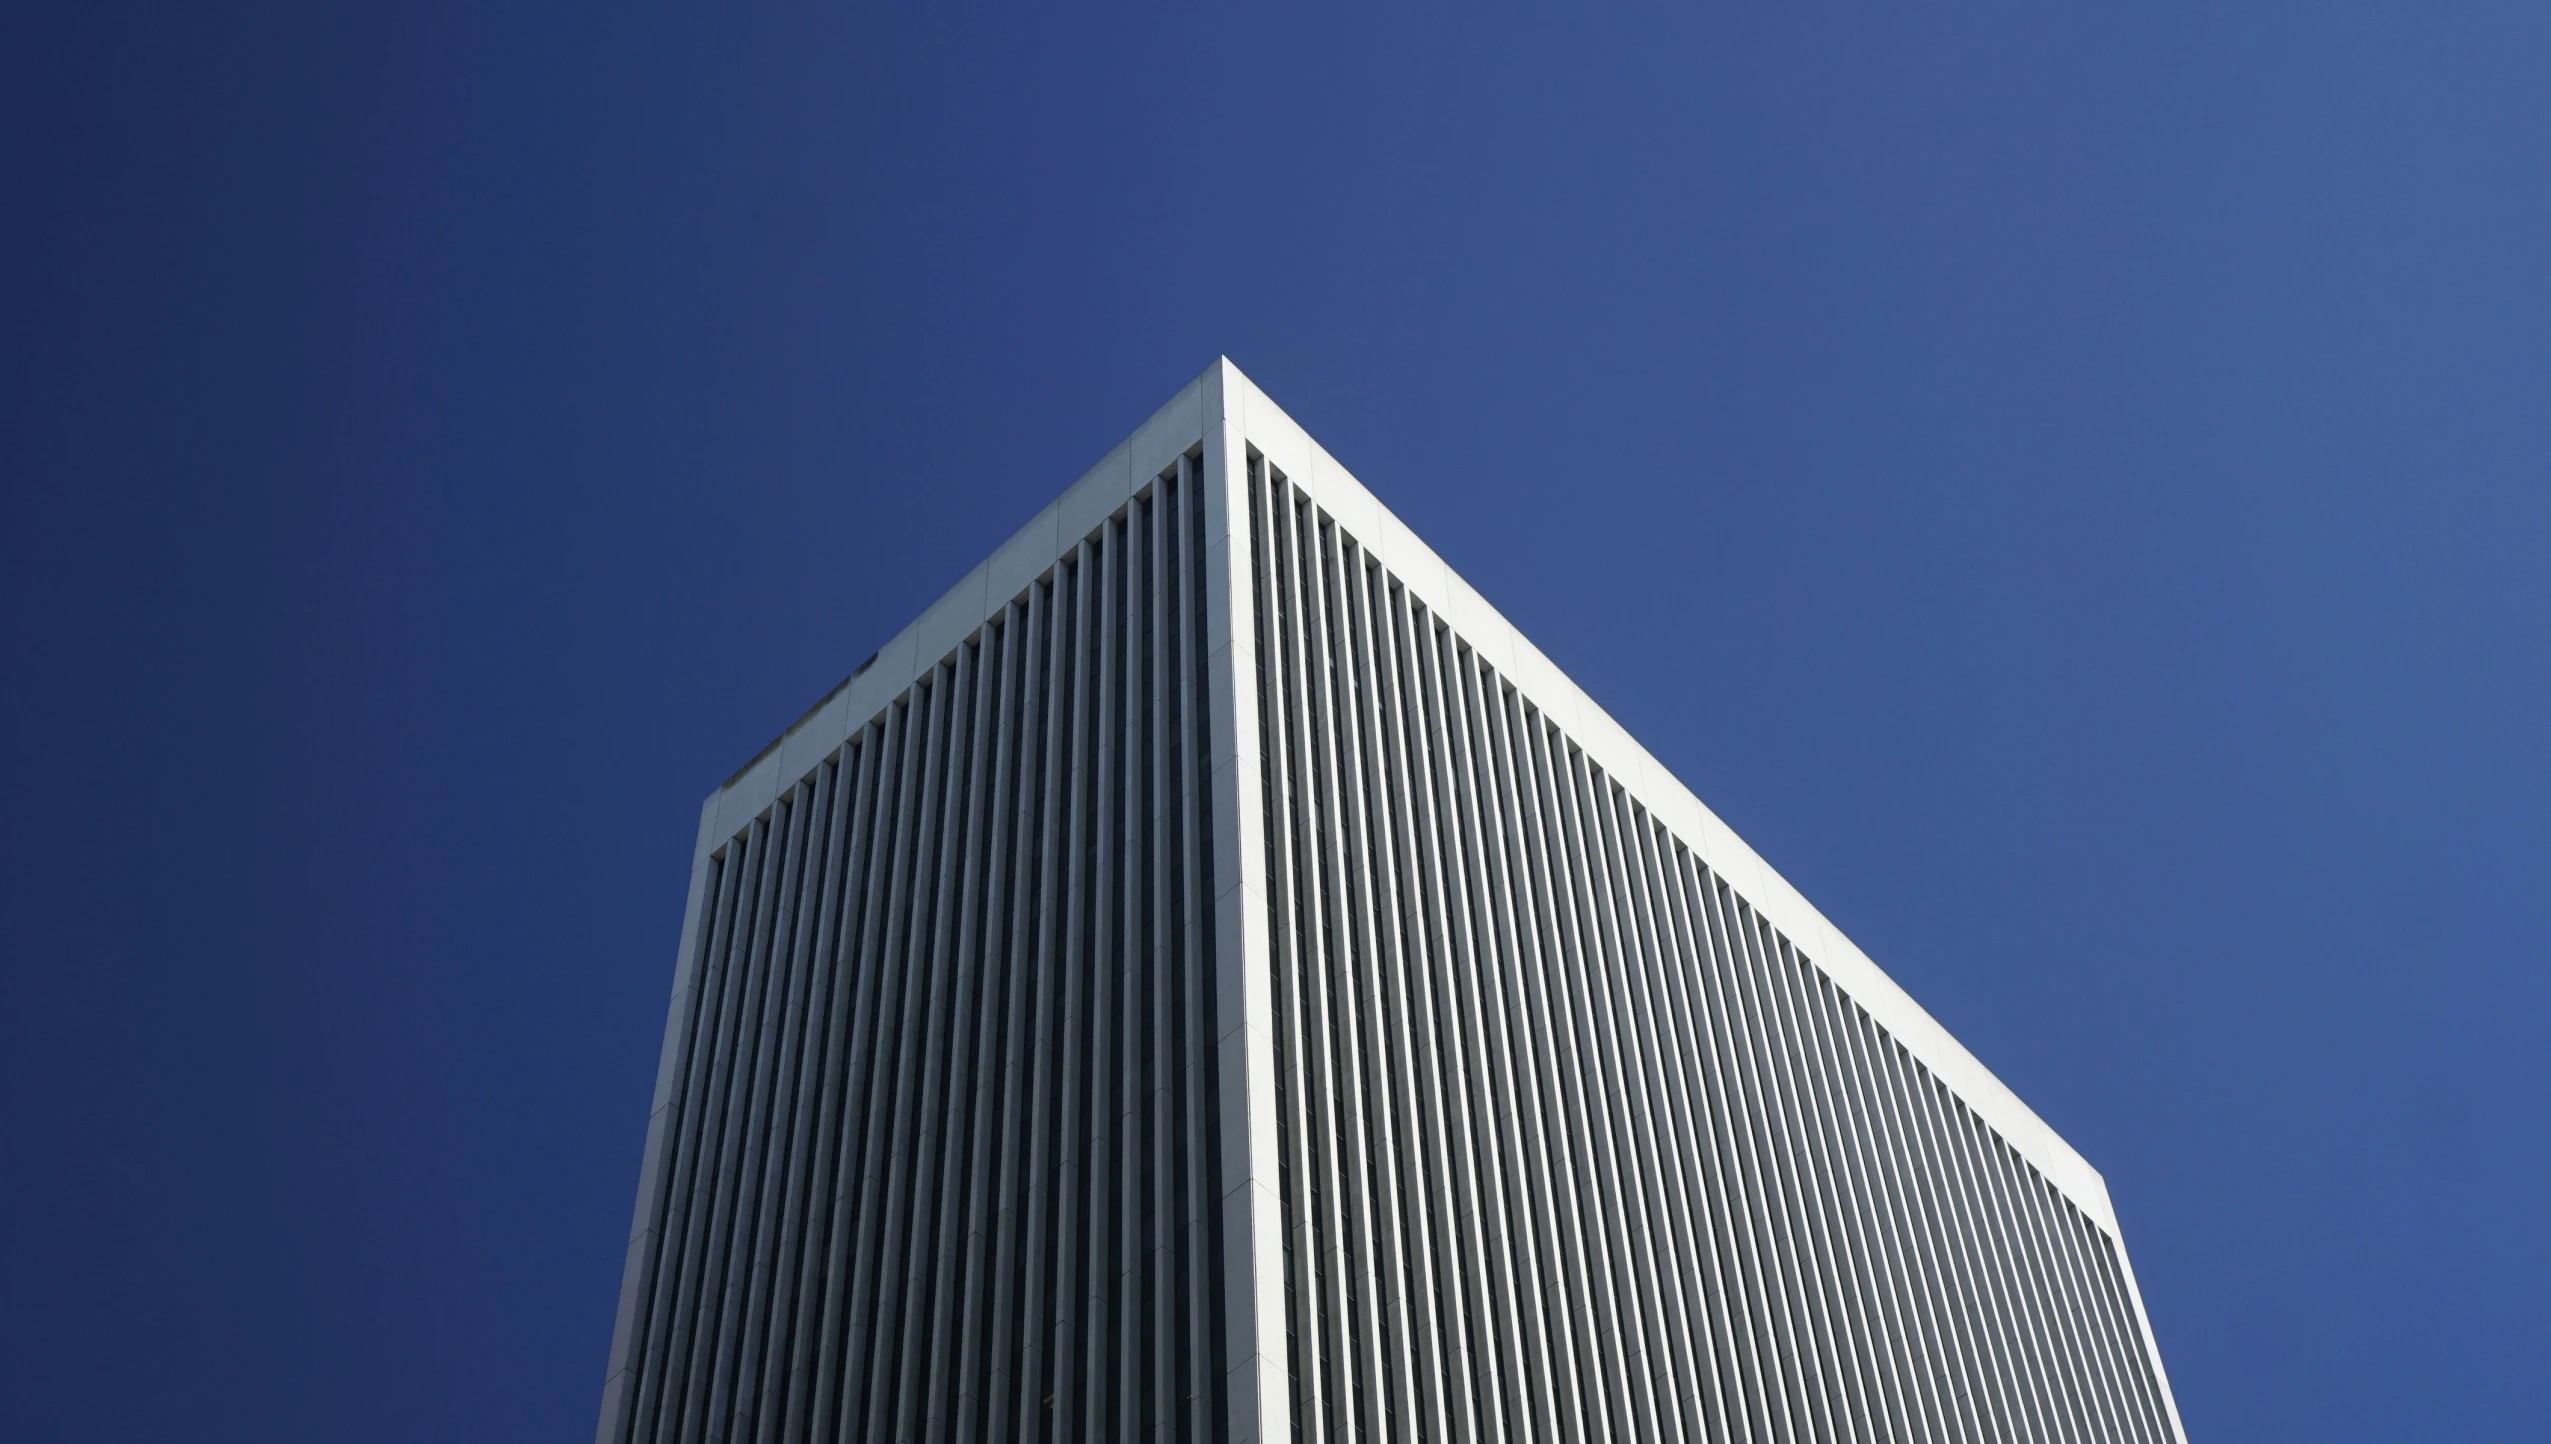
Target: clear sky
2072 490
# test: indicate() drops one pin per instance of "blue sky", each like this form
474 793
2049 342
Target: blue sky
2071 489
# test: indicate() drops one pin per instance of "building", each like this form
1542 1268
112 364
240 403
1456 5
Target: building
1211 977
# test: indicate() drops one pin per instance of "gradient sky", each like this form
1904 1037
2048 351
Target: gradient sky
2073 491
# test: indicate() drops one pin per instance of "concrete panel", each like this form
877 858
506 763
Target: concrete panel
1157 444
1216 391
1245 1059
805 746
1237 785
952 618
1410 560
1344 498
1025 556
748 794
709 838
1095 497
1290 456
896 666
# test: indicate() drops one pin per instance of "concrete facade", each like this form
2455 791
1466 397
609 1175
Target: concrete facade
1210 975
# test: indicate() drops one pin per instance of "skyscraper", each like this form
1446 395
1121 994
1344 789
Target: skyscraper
1211 977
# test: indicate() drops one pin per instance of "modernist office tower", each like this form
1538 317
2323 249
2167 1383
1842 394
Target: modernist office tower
1210 977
